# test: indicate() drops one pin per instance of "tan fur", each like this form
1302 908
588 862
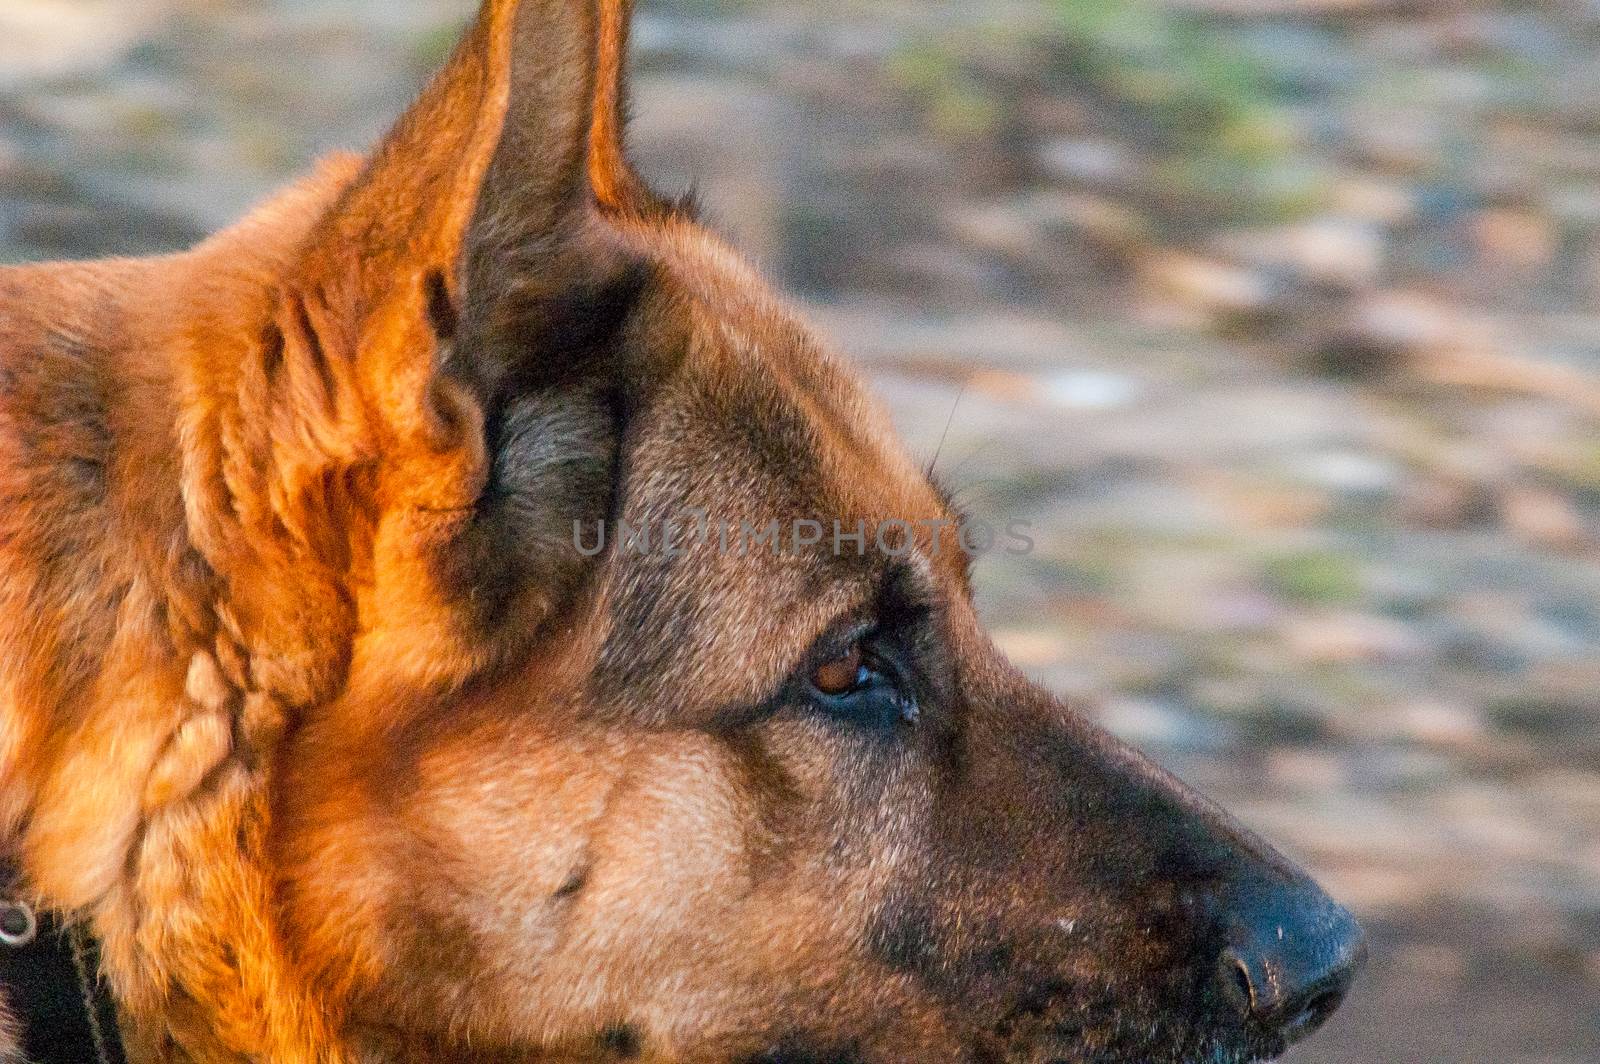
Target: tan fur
312 707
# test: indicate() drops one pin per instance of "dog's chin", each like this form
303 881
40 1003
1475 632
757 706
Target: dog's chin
1154 1047
1050 1052
1151 1045
1066 1053
1053 1047
1104 1030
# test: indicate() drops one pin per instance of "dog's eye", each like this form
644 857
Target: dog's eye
843 674
862 685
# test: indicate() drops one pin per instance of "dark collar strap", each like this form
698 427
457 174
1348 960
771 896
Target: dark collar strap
50 979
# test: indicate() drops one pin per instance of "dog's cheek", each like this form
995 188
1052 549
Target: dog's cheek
634 885
489 863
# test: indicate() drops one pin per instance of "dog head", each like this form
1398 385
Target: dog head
625 694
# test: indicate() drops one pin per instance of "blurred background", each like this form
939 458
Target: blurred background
1278 319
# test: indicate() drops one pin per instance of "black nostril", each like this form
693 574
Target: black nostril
1317 1011
1242 976
1289 964
1307 1007
1233 974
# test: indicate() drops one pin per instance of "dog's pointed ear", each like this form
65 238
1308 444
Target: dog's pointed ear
616 184
433 399
471 246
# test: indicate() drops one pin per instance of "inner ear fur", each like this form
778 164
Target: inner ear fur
473 260
474 213
378 413
617 186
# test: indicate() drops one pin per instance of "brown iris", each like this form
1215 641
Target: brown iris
839 676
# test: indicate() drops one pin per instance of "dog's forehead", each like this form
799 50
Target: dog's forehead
747 348
746 365
751 477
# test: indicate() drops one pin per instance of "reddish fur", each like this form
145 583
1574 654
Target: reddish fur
277 485
310 708
221 527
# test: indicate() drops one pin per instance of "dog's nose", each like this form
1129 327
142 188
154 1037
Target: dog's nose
1290 958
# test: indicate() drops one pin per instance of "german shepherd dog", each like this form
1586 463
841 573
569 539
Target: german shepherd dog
347 746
